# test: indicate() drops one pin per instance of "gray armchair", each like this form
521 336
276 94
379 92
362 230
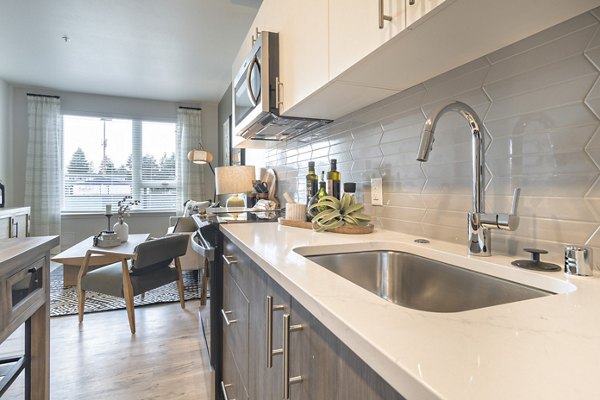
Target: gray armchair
148 269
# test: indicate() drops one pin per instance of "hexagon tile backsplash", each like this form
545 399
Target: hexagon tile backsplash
539 100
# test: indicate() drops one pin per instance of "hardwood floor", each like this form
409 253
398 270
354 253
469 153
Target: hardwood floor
100 359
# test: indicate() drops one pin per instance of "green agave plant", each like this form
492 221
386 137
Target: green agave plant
334 213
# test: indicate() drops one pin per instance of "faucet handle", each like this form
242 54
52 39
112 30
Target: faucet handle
506 222
510 222
515 201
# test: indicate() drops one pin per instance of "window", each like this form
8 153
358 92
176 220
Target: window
106 159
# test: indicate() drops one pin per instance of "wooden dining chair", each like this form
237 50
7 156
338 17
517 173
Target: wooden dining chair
148 268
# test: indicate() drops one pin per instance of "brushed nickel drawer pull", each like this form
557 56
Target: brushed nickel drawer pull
227 320
270 309
287 381
382 16
230 259
224 390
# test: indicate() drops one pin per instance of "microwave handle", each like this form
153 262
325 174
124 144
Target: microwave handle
251 95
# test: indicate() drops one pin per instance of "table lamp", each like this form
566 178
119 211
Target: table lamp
233 180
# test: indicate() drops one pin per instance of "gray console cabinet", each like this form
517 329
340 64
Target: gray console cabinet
324 368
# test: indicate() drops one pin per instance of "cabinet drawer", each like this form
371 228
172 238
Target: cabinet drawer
24 289
235 310
236 262
232 386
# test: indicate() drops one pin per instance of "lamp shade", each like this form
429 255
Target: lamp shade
234 179
200 156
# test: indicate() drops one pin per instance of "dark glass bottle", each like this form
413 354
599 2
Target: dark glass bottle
312 182
334 178
315 199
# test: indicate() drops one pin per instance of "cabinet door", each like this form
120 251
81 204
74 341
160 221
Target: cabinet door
20 225
5 226
313 356
329 369
303 51
415 9
231 386
354 30
265 381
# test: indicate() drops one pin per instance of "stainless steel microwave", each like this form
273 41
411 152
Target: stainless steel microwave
256 99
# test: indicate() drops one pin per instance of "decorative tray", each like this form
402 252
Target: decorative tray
342 229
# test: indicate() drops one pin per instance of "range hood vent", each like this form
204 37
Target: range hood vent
275 128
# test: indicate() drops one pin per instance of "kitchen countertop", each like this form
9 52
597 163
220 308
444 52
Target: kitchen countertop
548 347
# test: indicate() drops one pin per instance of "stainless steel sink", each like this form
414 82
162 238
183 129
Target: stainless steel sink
424 284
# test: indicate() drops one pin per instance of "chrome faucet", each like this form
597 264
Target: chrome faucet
479 222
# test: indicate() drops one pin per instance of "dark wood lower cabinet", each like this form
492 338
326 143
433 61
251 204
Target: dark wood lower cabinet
326 369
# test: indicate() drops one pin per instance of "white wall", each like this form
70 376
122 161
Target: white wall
76 228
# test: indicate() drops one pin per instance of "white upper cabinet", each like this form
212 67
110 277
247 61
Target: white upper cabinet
334 58
415 9
303 50
357 28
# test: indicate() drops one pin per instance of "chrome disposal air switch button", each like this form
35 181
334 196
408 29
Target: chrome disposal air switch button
578 260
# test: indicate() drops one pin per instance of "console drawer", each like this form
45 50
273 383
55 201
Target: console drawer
23 290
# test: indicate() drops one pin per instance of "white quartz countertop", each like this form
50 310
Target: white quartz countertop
543 348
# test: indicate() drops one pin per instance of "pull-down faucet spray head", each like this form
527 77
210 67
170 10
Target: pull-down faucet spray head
426 144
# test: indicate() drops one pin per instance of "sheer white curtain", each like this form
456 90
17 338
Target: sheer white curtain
43 177
190 177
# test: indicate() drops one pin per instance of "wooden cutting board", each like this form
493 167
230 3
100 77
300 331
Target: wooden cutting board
342 229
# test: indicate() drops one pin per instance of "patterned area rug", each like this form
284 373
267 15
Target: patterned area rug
63 301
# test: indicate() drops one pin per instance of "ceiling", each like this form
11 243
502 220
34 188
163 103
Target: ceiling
175 50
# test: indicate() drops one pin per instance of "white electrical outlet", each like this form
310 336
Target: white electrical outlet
376 192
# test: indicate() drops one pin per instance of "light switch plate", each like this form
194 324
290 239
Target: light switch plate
376 191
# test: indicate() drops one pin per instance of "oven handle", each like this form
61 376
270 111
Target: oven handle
201 246
253 98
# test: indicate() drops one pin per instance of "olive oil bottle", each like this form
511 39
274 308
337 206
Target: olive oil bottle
334 178
315 199
312 182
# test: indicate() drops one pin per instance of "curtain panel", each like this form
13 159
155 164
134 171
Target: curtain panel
43 176
190 177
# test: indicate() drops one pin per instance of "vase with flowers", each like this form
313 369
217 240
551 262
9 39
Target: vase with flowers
121 228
